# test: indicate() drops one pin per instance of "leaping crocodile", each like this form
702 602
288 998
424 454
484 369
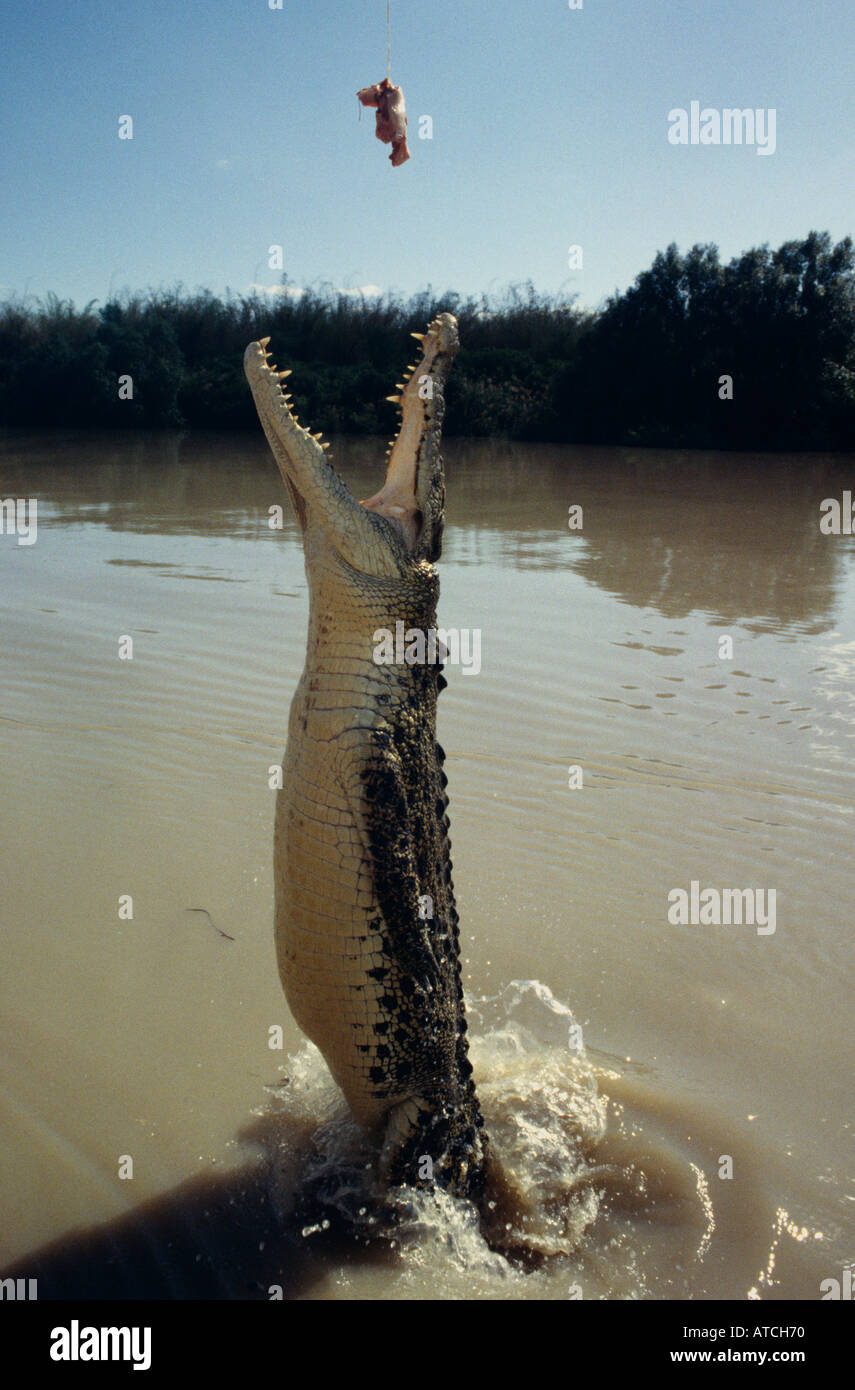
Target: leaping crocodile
362 853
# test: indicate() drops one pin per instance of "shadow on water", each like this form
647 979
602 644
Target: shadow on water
212 1237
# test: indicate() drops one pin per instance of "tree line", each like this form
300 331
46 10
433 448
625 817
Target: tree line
755 354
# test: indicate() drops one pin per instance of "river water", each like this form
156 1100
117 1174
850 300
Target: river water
674 1098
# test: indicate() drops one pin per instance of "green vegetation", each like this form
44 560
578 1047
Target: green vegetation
644 369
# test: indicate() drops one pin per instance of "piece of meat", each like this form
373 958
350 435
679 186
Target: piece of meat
391 117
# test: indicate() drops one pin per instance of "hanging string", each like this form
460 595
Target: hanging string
388 47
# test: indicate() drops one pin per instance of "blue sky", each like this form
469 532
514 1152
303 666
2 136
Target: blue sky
550 128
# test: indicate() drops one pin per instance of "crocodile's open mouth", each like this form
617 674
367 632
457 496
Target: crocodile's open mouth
413 494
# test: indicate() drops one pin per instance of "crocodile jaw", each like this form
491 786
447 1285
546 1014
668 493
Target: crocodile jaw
412 499
413 494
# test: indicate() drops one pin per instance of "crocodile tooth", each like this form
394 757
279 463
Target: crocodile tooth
325 445
264 341
411 366
399 385
396 400
287 372
318 436
419 336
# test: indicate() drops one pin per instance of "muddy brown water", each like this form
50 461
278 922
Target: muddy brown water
678 1096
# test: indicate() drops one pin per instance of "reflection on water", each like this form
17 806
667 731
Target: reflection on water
735 536
630 1059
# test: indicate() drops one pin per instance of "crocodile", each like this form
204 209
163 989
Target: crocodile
366 928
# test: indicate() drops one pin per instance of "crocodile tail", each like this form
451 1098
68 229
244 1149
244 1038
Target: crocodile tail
436 1143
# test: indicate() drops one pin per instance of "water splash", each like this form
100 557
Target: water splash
543 1117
